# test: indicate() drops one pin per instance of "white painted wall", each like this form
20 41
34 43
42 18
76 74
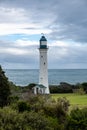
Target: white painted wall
43 72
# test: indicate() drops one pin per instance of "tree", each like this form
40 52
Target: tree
4 89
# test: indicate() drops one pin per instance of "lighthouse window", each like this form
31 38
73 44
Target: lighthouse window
41 56
44 63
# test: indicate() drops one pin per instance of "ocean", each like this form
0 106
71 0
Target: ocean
24 77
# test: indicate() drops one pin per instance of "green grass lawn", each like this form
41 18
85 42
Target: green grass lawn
74 99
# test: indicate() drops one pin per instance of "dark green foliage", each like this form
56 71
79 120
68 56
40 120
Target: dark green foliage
37 102
68 88
13 99
42 113
50 110
23 106
37 121
62 109
84 85
14 88
81 88
12 120
77 120
57 110
4 89
55 124
38 112
57 89
62 88
29 87
64 103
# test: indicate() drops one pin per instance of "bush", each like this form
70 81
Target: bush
50 110
62 88
41 113
13 99
12 120
37 121
57 109
77 120
64 103
23 106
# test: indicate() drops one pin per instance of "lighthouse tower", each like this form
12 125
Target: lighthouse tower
43 72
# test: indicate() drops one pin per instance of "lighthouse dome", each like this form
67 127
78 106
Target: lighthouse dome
43 38
43 42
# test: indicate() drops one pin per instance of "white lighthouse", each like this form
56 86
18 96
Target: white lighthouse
43 72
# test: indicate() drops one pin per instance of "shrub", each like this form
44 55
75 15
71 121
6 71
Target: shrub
37 121
64 103
77 120
13 99
62 88
23 106
12 120
50 110
41 114
57 109
81 91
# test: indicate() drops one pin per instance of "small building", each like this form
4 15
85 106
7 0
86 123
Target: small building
39 89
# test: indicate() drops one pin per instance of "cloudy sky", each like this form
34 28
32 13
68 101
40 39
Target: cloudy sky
63 22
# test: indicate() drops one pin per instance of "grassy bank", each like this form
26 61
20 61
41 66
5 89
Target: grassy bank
74 99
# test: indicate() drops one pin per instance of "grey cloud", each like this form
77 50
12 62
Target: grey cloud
6 43
58 57
38 11
74 57
67 19
28 58
19 59
72 21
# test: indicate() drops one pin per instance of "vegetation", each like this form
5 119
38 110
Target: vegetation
75 99
41 112
77 120
22 110
4 88
64 87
